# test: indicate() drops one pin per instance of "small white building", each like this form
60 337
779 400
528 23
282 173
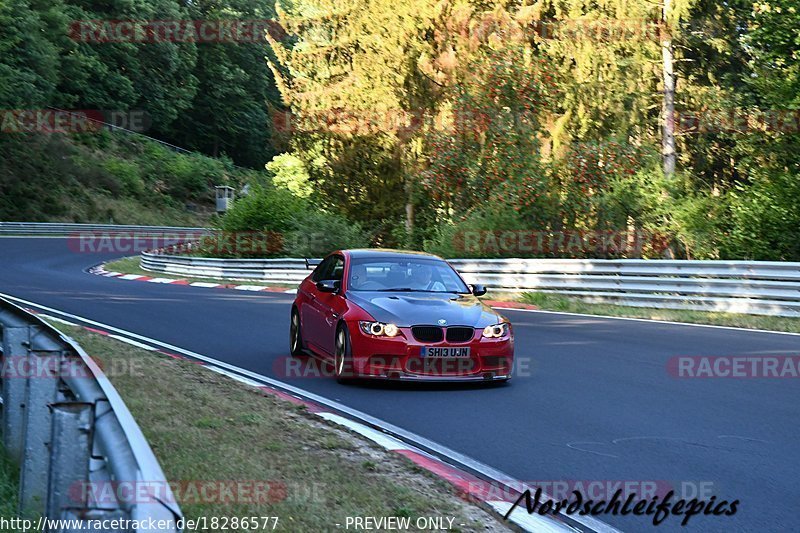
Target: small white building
225 197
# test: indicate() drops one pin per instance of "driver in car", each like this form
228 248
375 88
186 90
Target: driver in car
422 276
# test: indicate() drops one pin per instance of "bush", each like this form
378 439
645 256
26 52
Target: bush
315 234
191 176
265 208
449 241
126 173
305 232
764 219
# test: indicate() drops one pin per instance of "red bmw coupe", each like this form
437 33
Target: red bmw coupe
397 315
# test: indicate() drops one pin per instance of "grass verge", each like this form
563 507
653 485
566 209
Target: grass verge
557 302
130 265
9 488
203 426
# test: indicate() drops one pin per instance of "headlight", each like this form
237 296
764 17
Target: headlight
496 331
379 329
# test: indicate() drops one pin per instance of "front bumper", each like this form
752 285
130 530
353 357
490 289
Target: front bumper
398 358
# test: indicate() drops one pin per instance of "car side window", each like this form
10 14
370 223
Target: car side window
337 271
322 269
332 267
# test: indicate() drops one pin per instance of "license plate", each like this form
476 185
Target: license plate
432 351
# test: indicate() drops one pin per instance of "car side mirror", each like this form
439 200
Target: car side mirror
329 285
478 290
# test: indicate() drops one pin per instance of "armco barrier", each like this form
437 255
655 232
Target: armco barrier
275 270
754 287
70 428
59 229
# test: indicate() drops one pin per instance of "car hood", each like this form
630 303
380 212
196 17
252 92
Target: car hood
418 308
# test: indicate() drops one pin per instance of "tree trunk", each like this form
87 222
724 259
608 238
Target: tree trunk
668 139
409 217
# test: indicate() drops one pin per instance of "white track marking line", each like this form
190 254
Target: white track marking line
131 342
234 376
204 284
386 441
648 320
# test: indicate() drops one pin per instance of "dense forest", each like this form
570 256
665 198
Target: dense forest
416 122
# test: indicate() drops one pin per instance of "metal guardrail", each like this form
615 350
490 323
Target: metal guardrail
69 430
59 229
274 270
753 287
114 128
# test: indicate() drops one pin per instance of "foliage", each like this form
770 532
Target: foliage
316 234
489 152
229 111
298 228
209 97
548 110
449 240
106 178
764 219
126 173
415 118
591 173
264 209
290 172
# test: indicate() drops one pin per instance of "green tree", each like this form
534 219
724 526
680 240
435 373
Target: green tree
28 62
229 111
349 74
155 77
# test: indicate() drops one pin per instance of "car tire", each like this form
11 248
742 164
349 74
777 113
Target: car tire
295 335
343 356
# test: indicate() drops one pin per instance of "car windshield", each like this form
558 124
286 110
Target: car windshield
404 275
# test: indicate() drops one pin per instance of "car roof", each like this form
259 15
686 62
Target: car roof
387 253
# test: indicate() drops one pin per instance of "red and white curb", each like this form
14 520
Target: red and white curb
100 270
496 491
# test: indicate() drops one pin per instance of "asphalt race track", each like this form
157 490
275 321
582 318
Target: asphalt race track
597 405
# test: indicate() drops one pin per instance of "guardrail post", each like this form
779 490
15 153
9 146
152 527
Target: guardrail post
15 347
42 375
69 427
70 452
